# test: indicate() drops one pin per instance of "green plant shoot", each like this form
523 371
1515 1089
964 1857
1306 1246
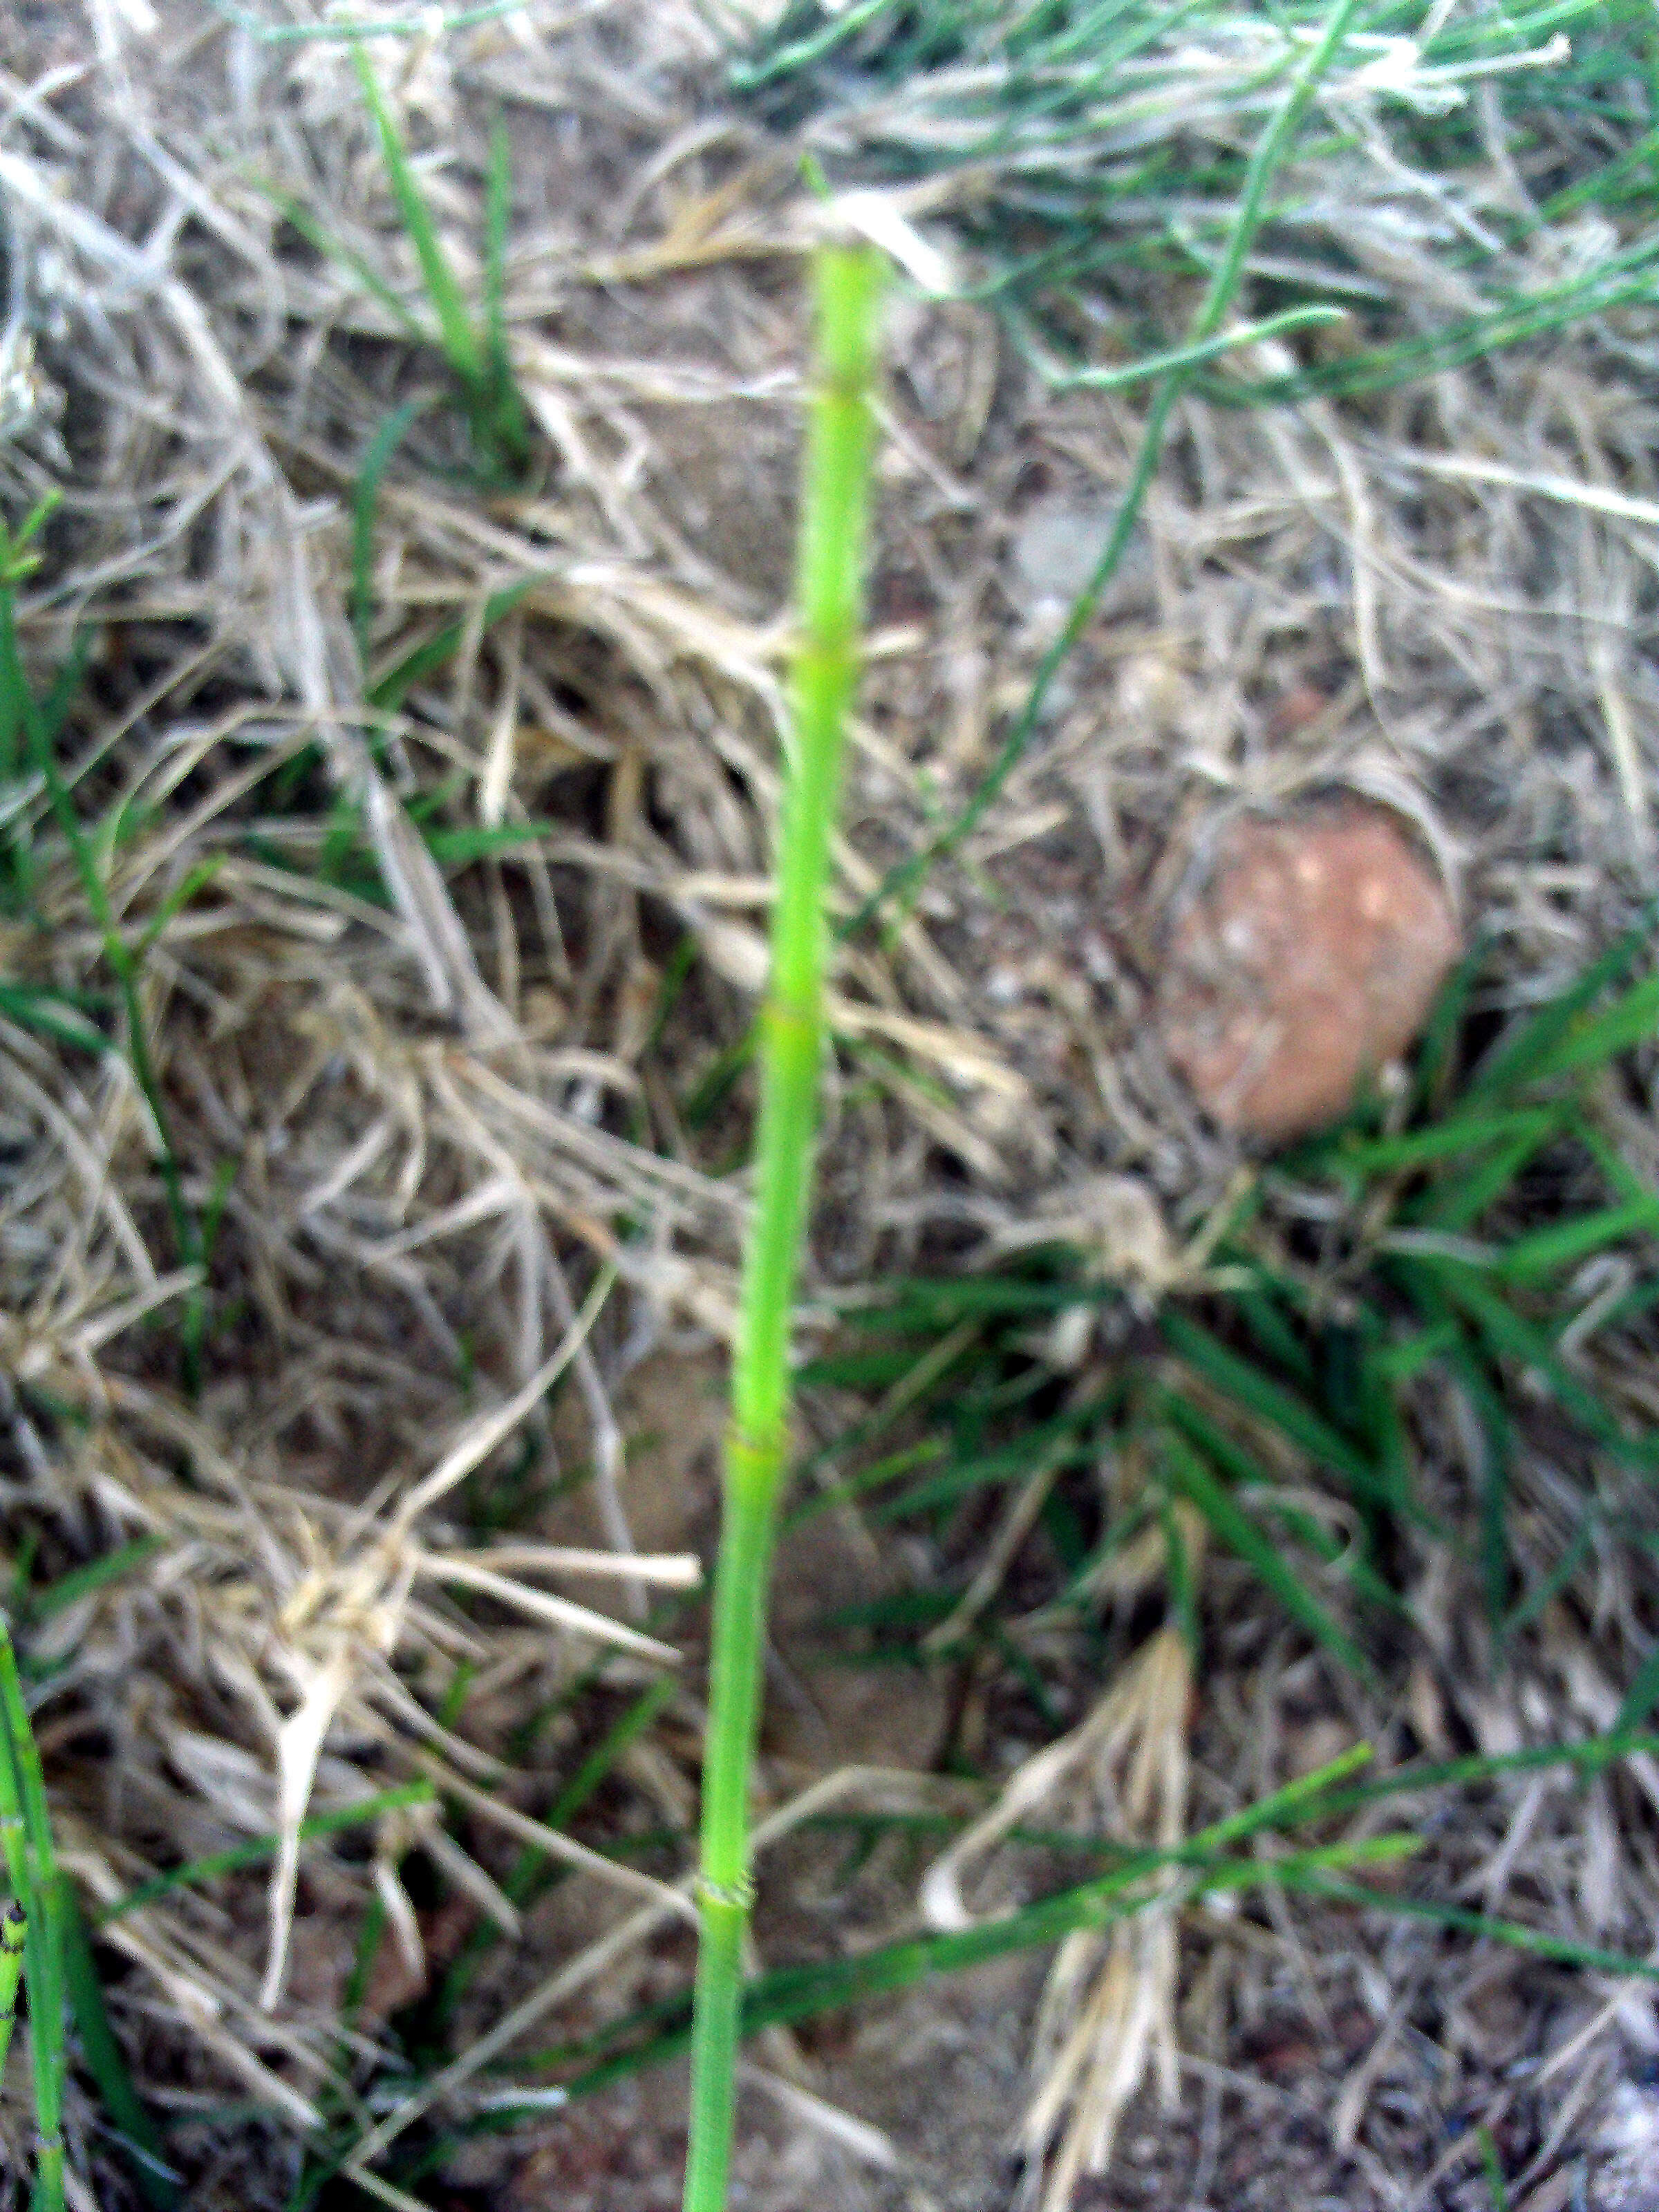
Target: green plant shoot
477 356
829 591
31 1866
13 1931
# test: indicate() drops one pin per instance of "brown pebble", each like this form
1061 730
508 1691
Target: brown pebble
1308 961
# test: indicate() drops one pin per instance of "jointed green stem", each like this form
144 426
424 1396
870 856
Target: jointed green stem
830 584
13 1931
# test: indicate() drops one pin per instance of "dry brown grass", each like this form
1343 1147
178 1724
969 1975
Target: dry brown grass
455 1117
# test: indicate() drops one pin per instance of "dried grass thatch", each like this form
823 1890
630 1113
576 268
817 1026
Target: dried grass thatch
449 1023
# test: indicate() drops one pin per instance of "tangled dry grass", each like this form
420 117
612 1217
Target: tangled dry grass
449 993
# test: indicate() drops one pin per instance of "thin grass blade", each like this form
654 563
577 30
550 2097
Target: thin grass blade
461 344
140 2137
1248 1540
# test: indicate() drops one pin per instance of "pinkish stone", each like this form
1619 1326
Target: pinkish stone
1308 961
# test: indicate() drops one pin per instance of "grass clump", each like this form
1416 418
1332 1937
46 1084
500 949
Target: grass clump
471 342
1108 148
473 347
1485 1232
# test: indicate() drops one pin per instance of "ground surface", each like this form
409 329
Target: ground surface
449 998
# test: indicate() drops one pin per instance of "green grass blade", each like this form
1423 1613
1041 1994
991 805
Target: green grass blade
841 1491
1046 1440
366 1952
1273 1332
1635 164
1154 365
102 2055
627 1730
526 1880
1247 1540
195 879
787 60
1378 1413
1626 1182
1631 1020
50 1013
1517 1055
1269 1402
919 1303
498 191
1509 1335
1433 1070
1549 1587
1443 1140
719 1081
1494 1480
365 510
1589 1756
322 240
332 1822
1545 1251
793 1994
1240 1467
121 961
1178 1571
1456 1201
479 359
461 345
52 1598
390 690
1616 282
460 848
1587 1958
54 708
1641 1697
14 691
1291 1803
1493 2167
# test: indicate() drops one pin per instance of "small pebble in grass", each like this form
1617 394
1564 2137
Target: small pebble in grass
1306 964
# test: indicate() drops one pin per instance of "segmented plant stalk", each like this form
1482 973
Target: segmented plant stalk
32 1870
830 591
14 1930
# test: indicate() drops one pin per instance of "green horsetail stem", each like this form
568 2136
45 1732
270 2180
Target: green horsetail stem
14 1930
830 584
